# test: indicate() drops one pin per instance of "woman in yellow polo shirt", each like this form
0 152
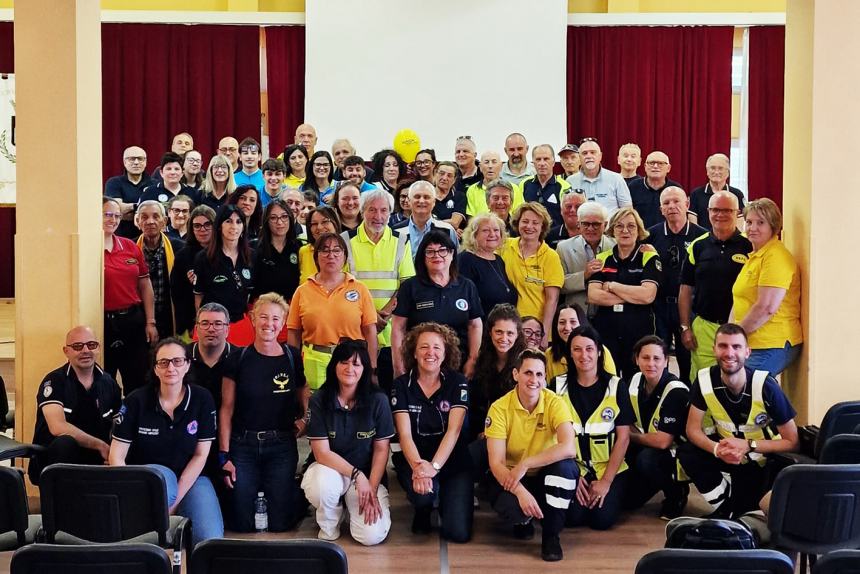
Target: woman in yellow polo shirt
332 305
532 266
767 292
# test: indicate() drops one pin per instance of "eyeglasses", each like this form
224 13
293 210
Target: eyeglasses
178 211
78 347
249 149
211 325
531 333
721 211
331 251
220 168
200 226
655 163
135 159
631 227
175 361
315 224
228 149
323 165
111 215
279 218
586 140
193 160
423 162
591 224
442 252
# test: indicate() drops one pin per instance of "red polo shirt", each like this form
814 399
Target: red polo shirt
124 265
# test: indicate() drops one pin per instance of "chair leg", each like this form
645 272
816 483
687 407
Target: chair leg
803 565
181 540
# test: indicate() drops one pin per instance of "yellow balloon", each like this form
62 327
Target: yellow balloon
407 144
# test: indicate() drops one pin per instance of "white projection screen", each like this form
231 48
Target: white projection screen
443 68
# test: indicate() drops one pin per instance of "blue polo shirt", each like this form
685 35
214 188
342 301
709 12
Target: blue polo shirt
255 179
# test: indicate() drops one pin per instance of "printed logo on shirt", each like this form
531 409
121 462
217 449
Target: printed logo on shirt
393 401
192 428
464 395
219 279
281 380
487 422
606 269
351 296
461 304
131 261
762 419
740 258
162 197
146 431
424 305
364 435
294 259
120 415
608 414
658 265
444 406
47 391
246 273
332 434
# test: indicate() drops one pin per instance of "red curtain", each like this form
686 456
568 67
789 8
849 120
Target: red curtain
664 88
7 48
7 215
765 130
285 80
161 79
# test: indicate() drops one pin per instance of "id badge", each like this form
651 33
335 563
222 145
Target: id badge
618 308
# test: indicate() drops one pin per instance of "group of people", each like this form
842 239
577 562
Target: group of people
479 322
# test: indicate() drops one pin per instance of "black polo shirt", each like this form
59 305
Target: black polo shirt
701 196
635 270
157 192
454 202
277 271
585 400
205 376
646 200
776 404
463 183
631 179
549 195
556 234
456 304
428 416
268 389
154 437
351 433
711 267
672 248
212 201
181 289
673 415
224 283
92 410
490 278
119 187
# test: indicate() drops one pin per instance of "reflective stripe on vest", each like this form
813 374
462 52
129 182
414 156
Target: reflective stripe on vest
635 385
756 425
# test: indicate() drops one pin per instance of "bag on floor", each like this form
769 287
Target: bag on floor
709 534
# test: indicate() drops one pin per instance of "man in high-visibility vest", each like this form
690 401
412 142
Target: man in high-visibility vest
381 260
751 418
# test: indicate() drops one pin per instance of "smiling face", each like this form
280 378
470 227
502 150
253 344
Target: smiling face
294 199
111 214
178 214
376 214
354 173
268 320
530 226
465 154
533 332
349 372
487 236
531 379
567 322
249 154
584 353
279 221
193 163
591 158
731 351
424 165
717 169
503 334
320 224
430 352
274 179
657 166
652 361
231 229
422 200
348 202
569 205
629 158
499 201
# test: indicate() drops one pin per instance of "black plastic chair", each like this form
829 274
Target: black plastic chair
17 526
839 562
10 449
685 561
815 509
223 556
92 559
84 504
841 449
7 417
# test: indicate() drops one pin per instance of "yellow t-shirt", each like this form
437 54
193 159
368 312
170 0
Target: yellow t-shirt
555 368
526 433
771 266
293 181
307 267
531 275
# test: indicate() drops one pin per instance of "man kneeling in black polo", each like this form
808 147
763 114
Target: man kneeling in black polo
77 404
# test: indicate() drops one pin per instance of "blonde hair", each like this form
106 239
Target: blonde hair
768 211
642 234
208 186
271 298
467 242
538 210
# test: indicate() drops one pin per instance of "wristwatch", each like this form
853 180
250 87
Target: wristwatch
436 466
753 445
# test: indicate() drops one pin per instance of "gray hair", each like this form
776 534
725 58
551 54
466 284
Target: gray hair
592 208
571 194
499 182
368 197
150 203
213 308
419 184
726 194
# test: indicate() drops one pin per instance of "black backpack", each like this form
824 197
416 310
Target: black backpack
709 534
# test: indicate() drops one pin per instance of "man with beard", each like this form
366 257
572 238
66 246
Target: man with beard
517 168
77 404
598 183
736 417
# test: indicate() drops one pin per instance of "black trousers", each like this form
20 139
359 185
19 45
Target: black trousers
600 518
63 449
554 487
651 470
620 332
748 481
385 370
126 349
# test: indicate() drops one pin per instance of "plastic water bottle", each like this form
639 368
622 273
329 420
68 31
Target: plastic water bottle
261 515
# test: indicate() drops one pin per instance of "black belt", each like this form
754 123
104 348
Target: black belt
264 434
122 312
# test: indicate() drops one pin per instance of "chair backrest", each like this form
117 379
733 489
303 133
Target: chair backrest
841 418
223 556
838 562
841 449
103 503
4 404
13 503
815 508
684 561
92 559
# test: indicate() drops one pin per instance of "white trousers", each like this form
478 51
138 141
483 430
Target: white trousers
327 489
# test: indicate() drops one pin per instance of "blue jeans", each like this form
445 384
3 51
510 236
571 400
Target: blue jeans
267 465
455 491
773 360
199 504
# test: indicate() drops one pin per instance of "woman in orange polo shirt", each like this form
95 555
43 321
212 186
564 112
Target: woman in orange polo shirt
332 305
767 292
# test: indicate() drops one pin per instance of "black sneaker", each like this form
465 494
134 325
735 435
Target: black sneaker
421 523
673 506
524 531
550 549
